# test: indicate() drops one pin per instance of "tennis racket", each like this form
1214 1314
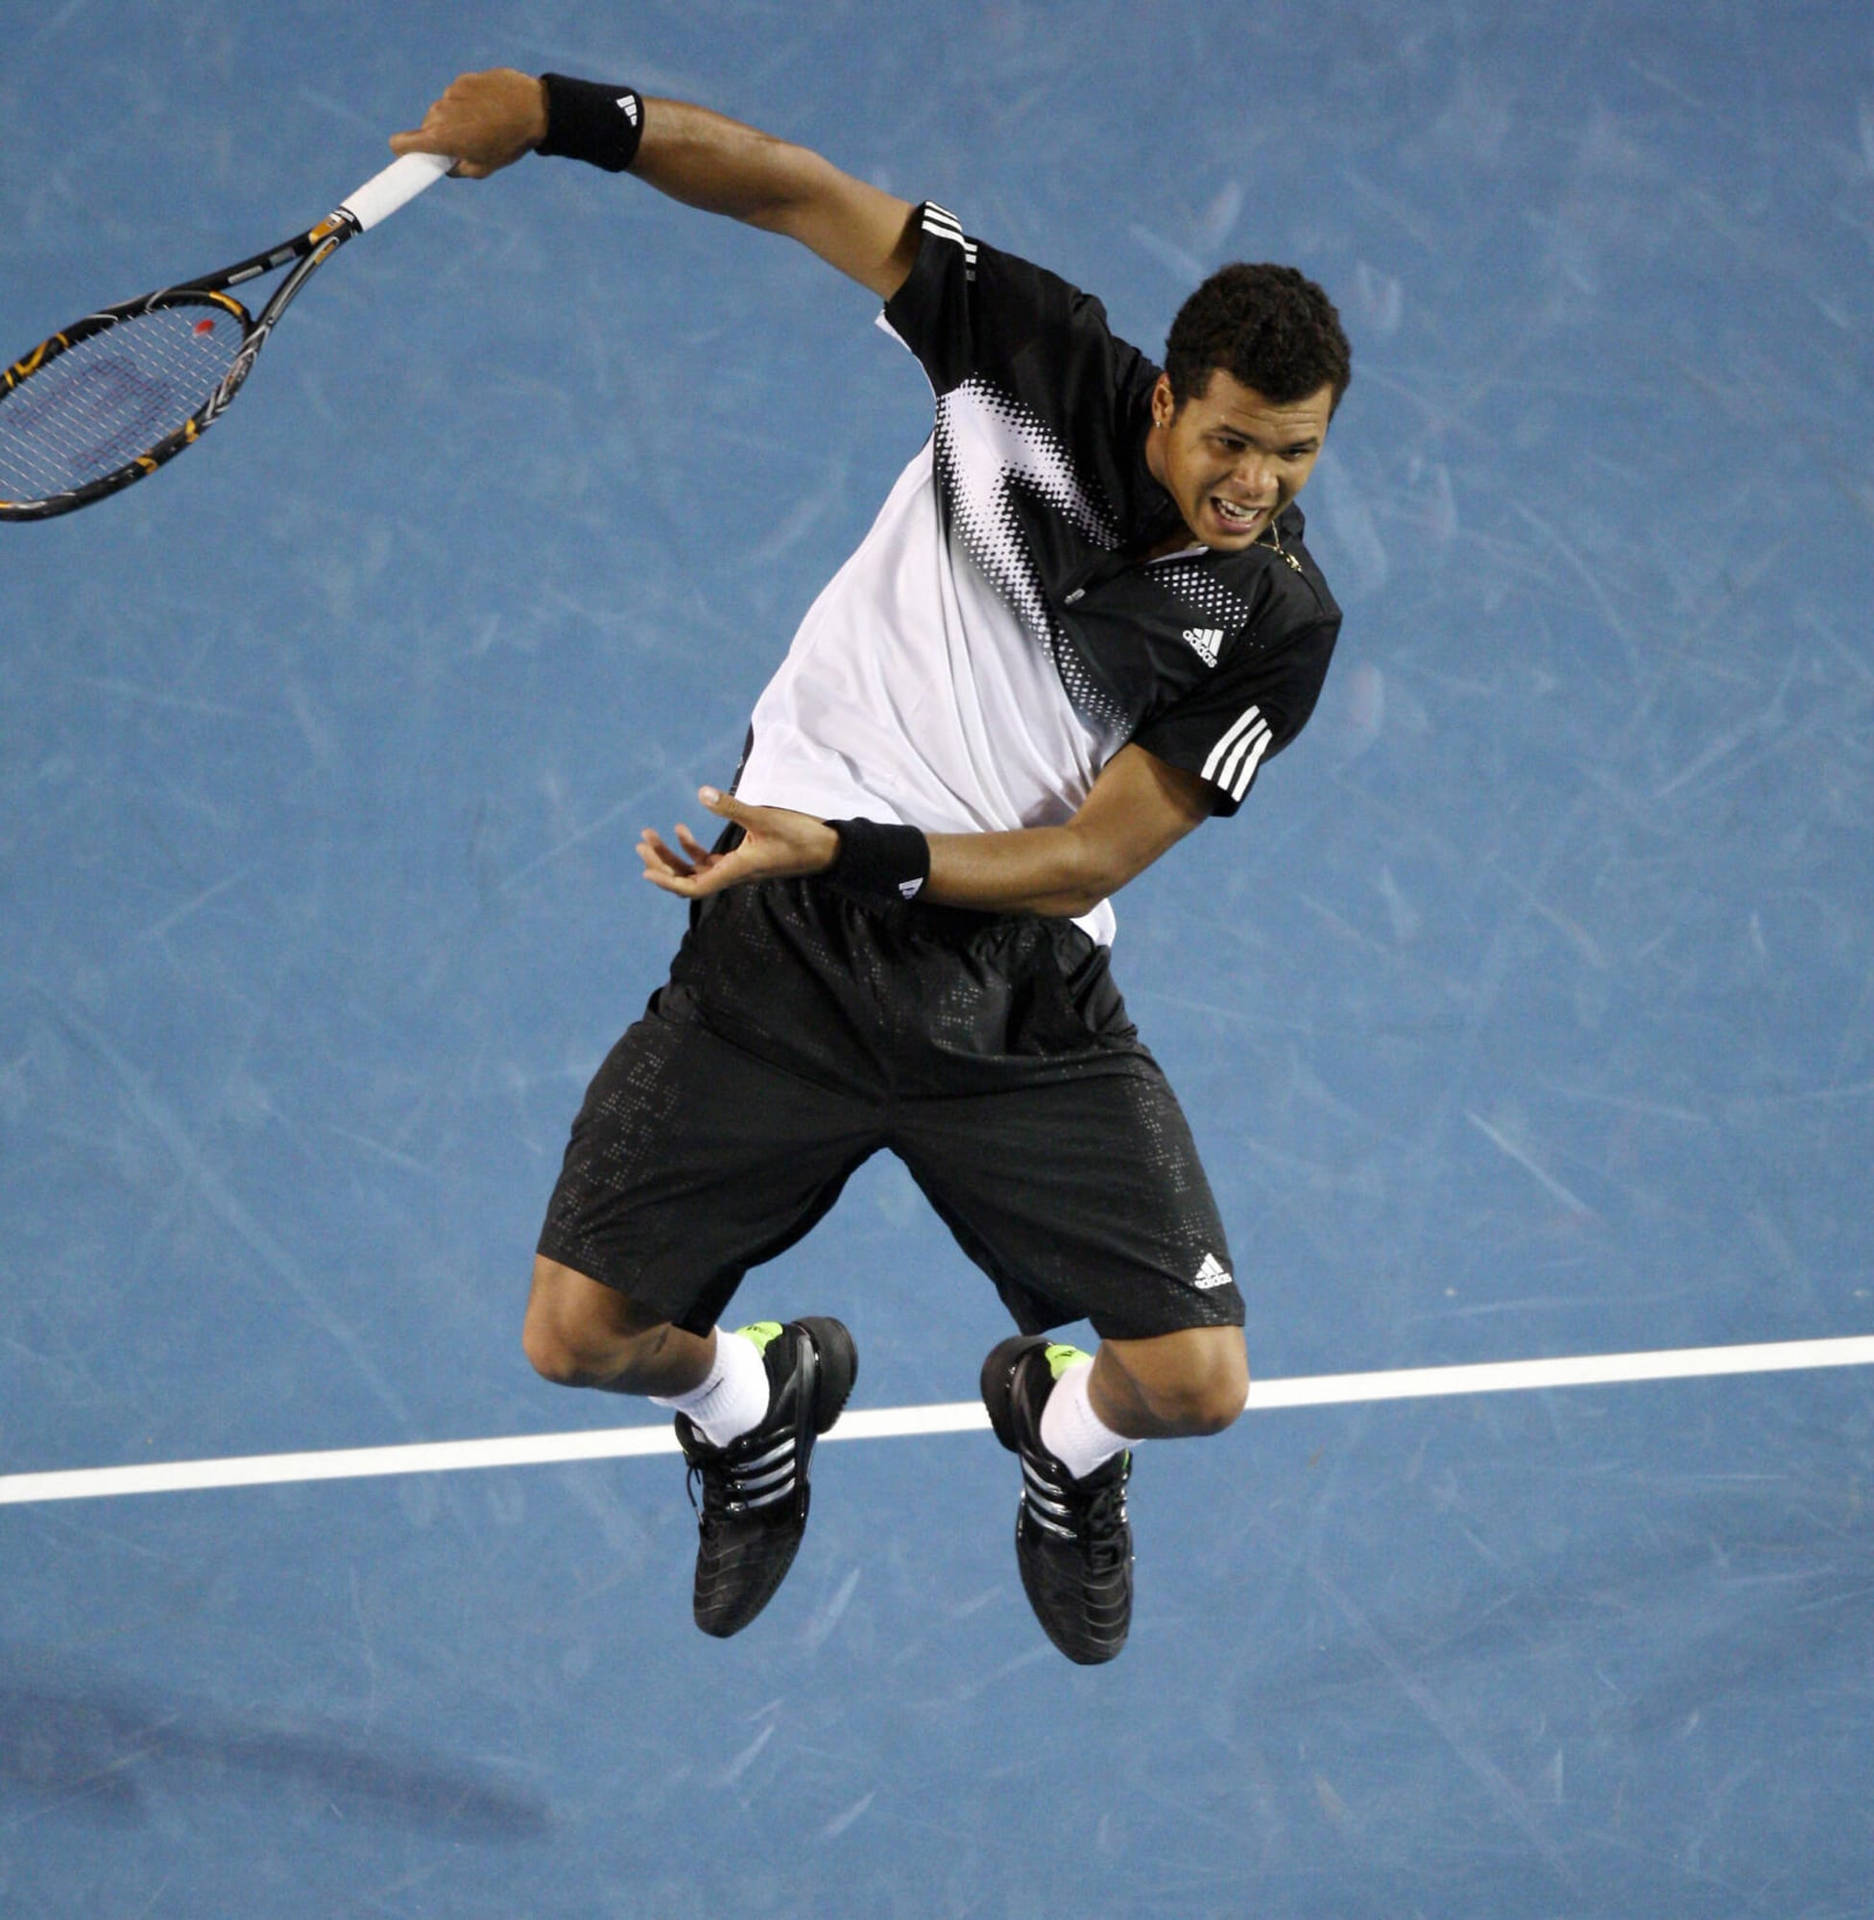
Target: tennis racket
110 398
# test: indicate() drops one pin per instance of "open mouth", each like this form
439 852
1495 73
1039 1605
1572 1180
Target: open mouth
1233 514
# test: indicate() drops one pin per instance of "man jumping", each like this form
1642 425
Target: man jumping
1081 624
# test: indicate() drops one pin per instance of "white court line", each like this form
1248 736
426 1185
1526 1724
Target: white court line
888 1423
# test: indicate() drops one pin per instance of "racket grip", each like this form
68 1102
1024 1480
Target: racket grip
398 184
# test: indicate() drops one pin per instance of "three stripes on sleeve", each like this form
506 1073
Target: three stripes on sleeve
1234 759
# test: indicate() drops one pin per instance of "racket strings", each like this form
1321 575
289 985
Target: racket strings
111 397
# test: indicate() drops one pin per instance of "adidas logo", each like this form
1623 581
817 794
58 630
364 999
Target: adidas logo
629 102
1206 641
910 888
1213 1273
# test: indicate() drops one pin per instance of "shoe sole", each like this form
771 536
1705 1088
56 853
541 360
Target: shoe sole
836 1368
998 1384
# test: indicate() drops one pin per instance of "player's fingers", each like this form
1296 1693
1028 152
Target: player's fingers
694 849
426 139
690 885
654 853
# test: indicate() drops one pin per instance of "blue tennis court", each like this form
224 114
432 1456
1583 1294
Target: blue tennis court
1526 1012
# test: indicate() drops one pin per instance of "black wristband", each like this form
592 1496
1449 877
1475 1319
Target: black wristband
878 862
588 120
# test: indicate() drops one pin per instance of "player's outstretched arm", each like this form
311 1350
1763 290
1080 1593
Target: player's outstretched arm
489 120
1139 808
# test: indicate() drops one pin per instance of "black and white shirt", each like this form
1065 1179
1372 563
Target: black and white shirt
995 639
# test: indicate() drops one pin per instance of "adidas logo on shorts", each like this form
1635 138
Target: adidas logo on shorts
1213 1273
628 102
1205 641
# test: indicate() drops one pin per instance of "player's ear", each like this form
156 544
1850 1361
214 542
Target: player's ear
1164 403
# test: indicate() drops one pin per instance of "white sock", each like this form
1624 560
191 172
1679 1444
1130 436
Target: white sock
733 1396
1070 1430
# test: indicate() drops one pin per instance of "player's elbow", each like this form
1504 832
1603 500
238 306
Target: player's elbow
794 186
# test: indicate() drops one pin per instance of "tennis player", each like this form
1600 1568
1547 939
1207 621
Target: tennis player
1081 625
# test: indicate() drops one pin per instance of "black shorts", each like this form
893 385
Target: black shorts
802 1031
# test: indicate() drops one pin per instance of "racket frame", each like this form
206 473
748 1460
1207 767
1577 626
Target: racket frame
304 253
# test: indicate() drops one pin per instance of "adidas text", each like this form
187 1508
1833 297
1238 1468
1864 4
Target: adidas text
1205 641
1213 1273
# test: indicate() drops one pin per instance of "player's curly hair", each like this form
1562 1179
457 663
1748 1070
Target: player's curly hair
1269 327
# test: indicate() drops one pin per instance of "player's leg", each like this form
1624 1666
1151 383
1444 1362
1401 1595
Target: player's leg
1076 1186
1073 1422
1171 1386
1052 1406
1084 1198
692 1160
579 1333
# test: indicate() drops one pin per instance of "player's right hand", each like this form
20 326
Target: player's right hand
487 120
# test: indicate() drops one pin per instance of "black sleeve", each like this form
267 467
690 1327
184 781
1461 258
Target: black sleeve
968 308
1245 713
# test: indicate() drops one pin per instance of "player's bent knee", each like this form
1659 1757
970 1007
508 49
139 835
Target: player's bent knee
578 1333
1218 1411
1194 1383
550 1354
1212 1399
1224 1384
591 1356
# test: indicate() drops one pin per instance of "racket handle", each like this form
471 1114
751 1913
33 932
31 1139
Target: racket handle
398 184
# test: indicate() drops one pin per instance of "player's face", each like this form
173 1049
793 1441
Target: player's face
1231 459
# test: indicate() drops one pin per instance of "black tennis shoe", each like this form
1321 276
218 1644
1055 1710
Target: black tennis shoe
754 1506
1073 1541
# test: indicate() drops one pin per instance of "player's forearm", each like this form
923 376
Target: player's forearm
1035 870
487 121
706 160
711 162
1138 808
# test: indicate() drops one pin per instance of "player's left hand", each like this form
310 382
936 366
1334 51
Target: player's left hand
777 844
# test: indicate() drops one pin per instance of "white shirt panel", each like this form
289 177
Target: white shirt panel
913 694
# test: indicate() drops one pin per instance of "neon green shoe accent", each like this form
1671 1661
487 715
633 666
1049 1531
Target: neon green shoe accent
762 1332
1061 1358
